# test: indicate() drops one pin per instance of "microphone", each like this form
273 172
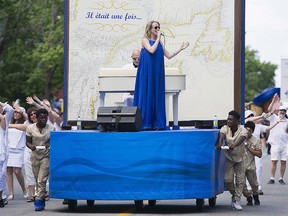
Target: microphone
162 34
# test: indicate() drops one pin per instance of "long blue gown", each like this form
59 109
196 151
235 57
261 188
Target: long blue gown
149 94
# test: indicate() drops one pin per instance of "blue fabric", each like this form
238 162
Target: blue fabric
265 96
149 165
149 94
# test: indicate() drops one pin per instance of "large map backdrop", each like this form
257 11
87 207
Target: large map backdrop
104 33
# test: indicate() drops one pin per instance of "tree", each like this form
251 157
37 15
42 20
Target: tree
258 75
31 48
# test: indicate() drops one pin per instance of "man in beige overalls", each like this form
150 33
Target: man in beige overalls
233 136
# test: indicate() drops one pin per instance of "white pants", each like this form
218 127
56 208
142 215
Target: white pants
258 163
29 176
3 175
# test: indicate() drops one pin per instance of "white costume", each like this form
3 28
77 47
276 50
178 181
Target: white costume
3 149
259 129
3 161
29 176
16 147
278 138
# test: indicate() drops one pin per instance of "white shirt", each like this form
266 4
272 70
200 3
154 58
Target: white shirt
278 135
259 128
4 132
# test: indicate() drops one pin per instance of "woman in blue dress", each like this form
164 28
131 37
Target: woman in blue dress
149 94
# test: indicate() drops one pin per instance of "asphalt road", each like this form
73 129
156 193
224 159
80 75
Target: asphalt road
273 202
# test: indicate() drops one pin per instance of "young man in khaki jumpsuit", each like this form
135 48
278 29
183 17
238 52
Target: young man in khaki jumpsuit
252 149
233 136
38 140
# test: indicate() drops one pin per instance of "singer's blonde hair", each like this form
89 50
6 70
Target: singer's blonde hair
148 28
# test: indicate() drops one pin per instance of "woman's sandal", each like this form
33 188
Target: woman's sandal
30 199
47 197
10 197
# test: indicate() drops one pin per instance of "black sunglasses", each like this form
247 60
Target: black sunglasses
156 27
135 59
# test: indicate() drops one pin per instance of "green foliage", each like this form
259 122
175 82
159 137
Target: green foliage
31 48
258 75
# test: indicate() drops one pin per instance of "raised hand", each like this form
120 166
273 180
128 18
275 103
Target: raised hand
46 102
29 100
184 45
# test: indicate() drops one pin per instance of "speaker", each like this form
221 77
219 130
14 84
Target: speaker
119 119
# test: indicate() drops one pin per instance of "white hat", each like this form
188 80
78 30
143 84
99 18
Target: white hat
282 108
248 113
21 109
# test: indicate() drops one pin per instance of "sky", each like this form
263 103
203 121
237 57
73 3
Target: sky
267 31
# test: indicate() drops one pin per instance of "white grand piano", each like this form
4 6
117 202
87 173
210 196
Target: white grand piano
121 80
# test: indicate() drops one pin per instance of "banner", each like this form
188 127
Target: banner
104 34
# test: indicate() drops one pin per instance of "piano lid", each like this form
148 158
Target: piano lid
106 72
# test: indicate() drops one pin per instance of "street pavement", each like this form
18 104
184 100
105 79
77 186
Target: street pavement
273 202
